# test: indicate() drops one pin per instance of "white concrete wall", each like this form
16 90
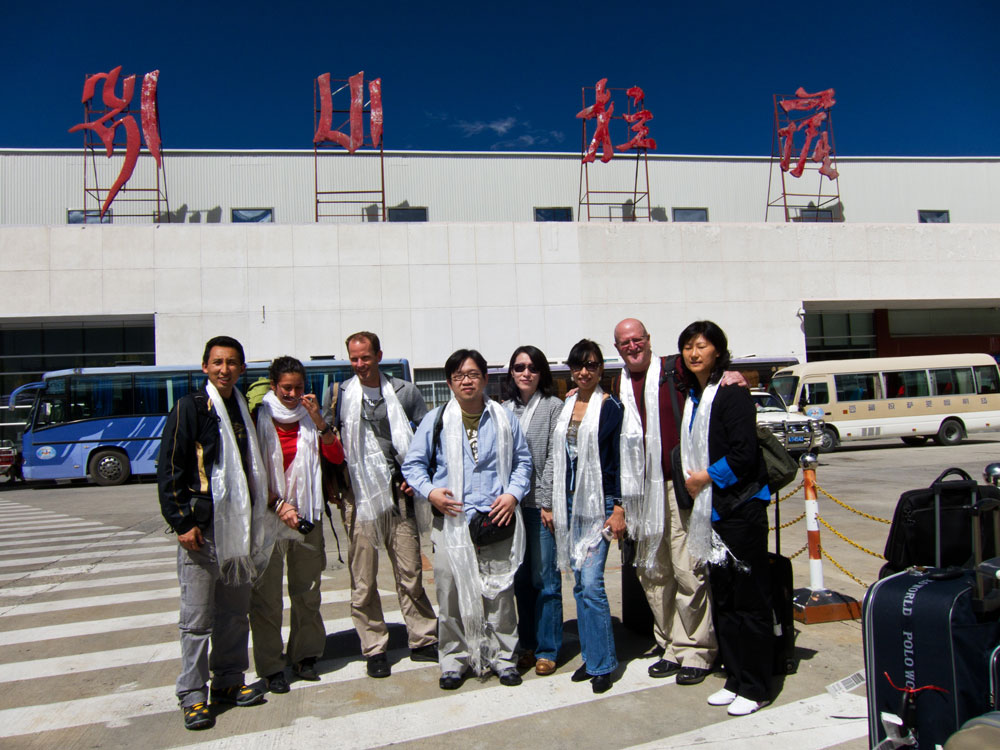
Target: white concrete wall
428 289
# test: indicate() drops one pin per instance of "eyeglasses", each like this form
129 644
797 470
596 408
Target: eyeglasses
592 365
458 377
633 341
520 367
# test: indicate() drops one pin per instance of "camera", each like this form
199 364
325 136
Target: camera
305 526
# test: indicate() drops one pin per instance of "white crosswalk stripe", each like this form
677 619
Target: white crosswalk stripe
96 600
62 537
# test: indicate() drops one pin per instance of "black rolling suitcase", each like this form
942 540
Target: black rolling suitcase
929 635
781 603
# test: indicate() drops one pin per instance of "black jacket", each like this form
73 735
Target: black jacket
732 434
188 449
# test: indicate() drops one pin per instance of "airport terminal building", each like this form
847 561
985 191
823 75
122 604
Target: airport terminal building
491 250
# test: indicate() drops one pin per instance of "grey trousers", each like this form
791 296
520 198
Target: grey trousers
402 546
306 559
501 615
211 611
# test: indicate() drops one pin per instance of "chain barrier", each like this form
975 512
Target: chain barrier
854 510
799 486
844 570
786 525
803 549
852 543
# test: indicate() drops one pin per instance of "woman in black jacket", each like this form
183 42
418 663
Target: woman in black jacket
725 473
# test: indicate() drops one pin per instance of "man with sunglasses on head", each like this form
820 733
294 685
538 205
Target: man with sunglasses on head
375 414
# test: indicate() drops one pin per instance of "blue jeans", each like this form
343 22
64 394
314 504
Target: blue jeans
593 614
538 589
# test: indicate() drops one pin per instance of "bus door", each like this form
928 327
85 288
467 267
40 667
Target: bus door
814 397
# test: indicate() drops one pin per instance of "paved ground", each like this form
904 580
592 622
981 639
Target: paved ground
88 641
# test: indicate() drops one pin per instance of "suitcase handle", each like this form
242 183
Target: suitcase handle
963 480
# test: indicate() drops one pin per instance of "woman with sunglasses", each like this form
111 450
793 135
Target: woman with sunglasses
586 505
726 475
527 391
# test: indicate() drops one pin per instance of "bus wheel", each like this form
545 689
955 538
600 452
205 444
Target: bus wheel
915 440
951 433
828 441
109 468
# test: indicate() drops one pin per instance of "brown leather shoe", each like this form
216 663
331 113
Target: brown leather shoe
545 667
526 660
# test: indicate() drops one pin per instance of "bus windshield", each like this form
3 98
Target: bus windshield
784 386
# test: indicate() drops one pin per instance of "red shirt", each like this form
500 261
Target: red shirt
288 434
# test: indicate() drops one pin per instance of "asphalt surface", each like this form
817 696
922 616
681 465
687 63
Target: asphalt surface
88 640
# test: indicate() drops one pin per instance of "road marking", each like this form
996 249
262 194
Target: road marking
808 724
93 568
84 546
118 708
81 537
95 583
57 666
77 556
10 532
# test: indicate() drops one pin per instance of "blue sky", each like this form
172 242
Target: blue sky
912 78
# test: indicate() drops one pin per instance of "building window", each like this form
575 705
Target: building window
690 214
253 216
808 215
407 213
89 216
934 217
554 213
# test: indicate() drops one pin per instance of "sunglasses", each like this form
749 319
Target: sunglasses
592 365
520 367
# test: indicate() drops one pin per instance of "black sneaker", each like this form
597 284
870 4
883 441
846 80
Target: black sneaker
425 653
306 670
580 675
239 695
277 683
510 677
450 681
378 666
663 668
198 717
692 675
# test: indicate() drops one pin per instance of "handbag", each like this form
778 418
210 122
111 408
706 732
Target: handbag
484 531
684 499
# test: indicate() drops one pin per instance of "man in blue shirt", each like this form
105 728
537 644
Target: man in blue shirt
469 458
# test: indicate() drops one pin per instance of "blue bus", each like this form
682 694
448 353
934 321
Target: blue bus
105 422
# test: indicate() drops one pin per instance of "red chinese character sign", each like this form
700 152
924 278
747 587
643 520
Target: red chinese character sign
632 126
355 203
803 123
100 121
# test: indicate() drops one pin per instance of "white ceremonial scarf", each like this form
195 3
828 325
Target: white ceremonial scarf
243 539
575 536
472 582
529 410
642 466
704 545
302 484
370 475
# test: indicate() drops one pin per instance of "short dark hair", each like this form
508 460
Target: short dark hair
457 358
578 354
283 366
368 336
716 337
545 384
226 341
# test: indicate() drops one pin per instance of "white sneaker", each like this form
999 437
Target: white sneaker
721 698
744 706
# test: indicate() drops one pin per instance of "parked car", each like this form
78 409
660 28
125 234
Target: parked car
797 432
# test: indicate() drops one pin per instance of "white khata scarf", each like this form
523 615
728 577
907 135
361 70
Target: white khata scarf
575 536
243 539
529 410
470 580
704 545
642 467
302 484
370 475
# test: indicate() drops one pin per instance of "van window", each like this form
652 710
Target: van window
906 384
817 393
856 387
989 381
952 381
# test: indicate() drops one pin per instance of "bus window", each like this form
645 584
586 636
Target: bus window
784 386
989 381
100 396
906 384
157 393
953 381
856 386
50 408
816 393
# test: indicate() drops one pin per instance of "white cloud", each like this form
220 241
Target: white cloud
500 127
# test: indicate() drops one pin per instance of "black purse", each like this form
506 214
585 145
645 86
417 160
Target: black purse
684 499
484 531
